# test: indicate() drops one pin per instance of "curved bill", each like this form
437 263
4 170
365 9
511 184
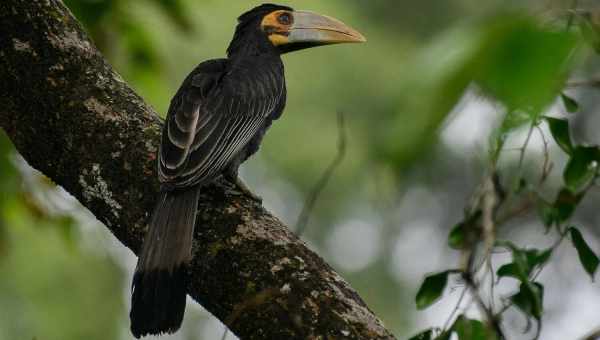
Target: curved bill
314 29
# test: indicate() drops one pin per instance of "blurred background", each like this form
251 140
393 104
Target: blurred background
417 137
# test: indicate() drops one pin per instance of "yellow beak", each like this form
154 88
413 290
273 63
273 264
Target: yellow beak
311 29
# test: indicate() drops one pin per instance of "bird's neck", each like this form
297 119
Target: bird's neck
250 43
256 61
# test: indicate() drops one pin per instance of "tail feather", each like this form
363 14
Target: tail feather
160 279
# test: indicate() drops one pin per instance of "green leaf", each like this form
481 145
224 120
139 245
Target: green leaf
589 260
508 270
565 204
515 67
468 329
432 289
560 132
465 232
536 257
548 213
524 262
582 168
530 299
425 335
570 104
456 239
519 268
561 210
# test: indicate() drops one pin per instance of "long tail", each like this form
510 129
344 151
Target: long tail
160 279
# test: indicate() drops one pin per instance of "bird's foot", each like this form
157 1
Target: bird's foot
242 189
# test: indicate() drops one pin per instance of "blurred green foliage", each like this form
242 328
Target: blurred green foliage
52 287
509 57
523 66
521 63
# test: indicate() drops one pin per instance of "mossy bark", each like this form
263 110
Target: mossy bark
73 118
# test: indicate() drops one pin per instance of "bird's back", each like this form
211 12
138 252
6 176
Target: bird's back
215 115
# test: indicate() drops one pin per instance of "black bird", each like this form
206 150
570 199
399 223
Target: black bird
215 122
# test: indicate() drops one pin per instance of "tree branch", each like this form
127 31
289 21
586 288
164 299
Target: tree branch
74 119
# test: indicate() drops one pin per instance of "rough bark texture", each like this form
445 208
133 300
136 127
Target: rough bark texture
74 119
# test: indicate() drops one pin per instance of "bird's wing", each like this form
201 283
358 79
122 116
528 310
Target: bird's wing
212 117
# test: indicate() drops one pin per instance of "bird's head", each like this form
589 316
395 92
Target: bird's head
289 30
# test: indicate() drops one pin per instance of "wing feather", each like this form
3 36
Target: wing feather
211 119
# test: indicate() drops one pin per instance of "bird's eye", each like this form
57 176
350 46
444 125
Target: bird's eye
285 19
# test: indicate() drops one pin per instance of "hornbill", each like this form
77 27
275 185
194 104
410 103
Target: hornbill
216 120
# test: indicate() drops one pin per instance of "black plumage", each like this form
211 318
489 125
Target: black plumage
216 120
222 108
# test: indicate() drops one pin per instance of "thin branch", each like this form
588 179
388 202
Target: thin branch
525 145
591 82
455 310
488 207
593 335
538 330
548 165
491 318
312 198
492 282
571 19
524 207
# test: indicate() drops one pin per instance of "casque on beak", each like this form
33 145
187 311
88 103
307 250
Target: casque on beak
311 29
